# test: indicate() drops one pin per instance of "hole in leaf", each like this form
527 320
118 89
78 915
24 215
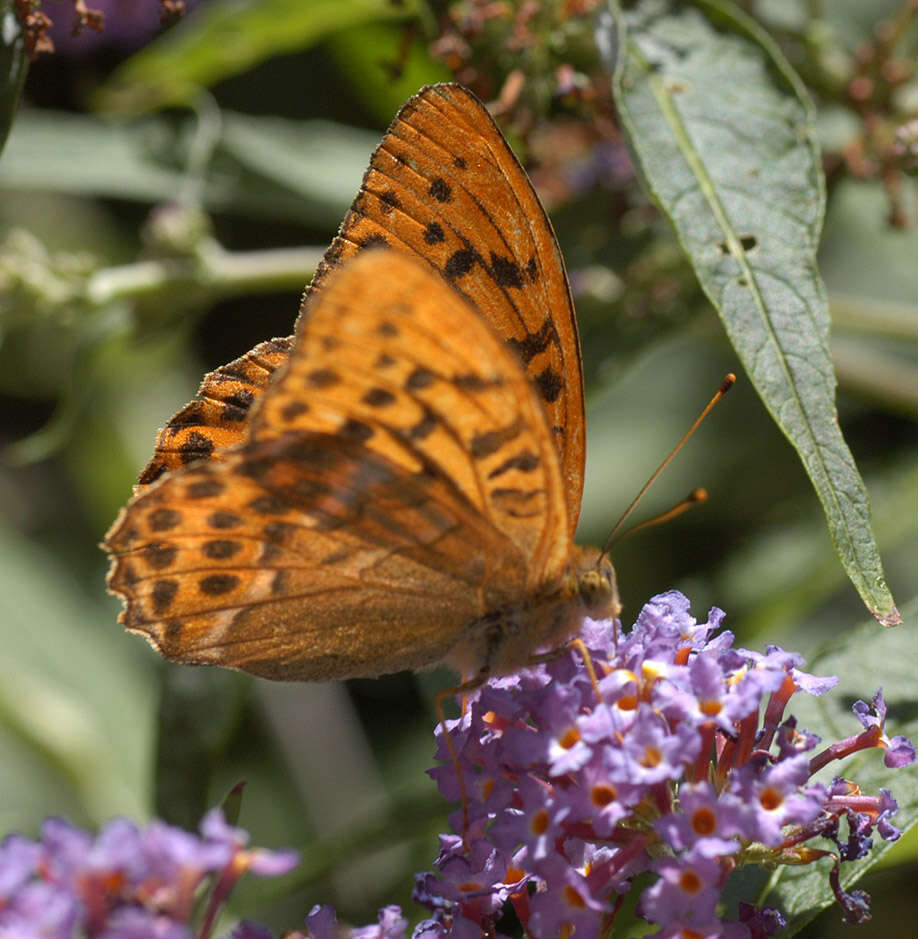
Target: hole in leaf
747 242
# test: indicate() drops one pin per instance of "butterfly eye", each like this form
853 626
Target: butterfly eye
598 592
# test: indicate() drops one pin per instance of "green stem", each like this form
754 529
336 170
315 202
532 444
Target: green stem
214 271
877 375
877 317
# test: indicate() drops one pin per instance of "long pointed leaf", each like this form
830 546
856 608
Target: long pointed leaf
722 131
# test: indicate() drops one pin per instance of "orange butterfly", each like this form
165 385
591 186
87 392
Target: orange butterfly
399 483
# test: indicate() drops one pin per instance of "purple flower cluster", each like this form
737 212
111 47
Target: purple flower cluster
127 883
646 757
664 753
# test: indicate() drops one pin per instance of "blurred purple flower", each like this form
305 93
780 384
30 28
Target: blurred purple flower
126 24
126 882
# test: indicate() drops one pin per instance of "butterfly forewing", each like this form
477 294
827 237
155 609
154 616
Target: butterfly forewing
443 185
396 360
399 480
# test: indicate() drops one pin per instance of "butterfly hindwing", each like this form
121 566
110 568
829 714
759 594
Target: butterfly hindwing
218 417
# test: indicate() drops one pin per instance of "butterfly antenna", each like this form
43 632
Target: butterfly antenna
693 498
699 495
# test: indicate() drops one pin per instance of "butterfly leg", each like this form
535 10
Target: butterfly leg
580 646
439 698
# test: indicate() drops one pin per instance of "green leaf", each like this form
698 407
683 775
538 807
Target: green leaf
258 163
320 162
722 132
74 697
221 39
386 77
14 66
863 659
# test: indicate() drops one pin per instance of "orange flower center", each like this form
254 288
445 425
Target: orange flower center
470 886
539 823
652 757
603 794
711 708
573 899
569 738
704 821
770 799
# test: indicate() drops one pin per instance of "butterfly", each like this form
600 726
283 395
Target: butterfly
398 484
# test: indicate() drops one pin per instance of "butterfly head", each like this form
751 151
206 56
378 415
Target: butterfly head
596 586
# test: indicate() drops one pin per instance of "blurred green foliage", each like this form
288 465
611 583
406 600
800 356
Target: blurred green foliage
150 199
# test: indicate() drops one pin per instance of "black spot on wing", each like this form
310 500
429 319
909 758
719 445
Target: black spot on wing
195 447
424 427
236 405
534 343
505 272
460 263
420 378
215 585
518 503
192 413
471 381
127 573
204 489
355 431
378 398
440 189
152 473
322 378
549 384
163 519
276 535
433 233
488 443
293 409
525 462
220 549
311 452
373 241
159 556
389 201
164 592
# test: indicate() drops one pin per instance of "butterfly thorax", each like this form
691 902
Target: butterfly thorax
506 639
